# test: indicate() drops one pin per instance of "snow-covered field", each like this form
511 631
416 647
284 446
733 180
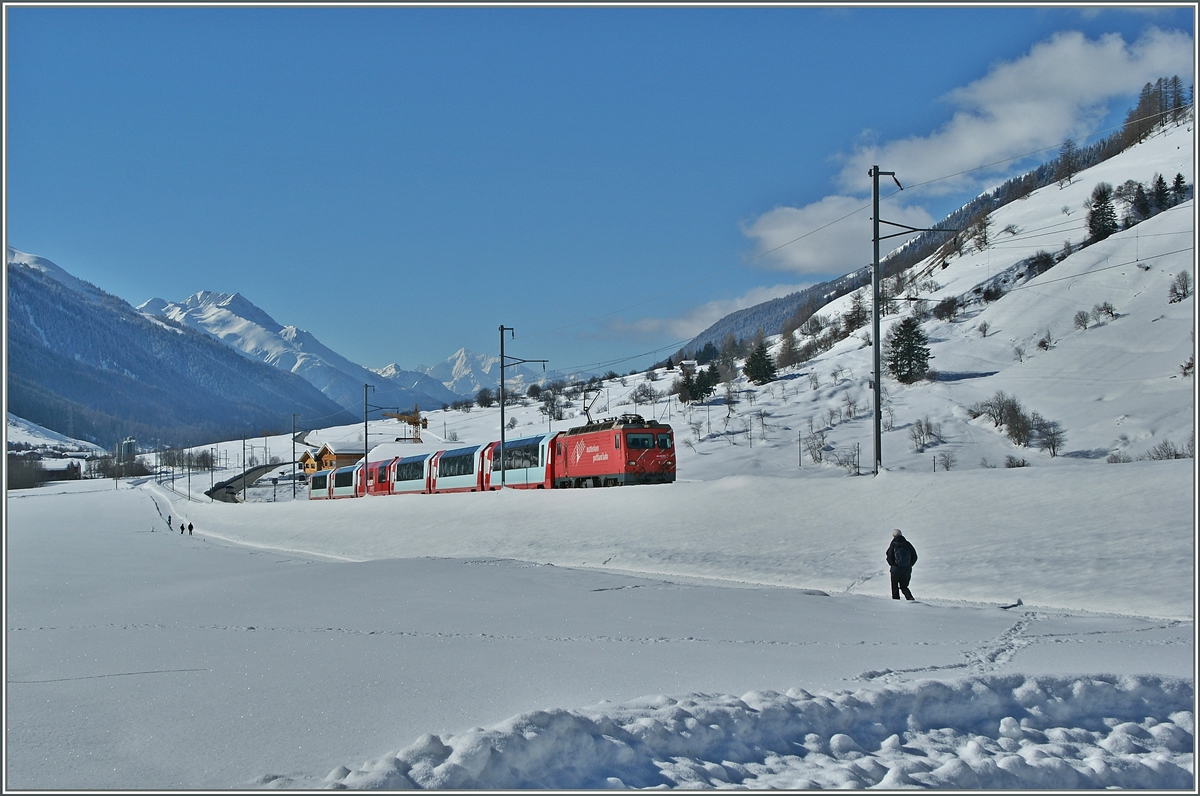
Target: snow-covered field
731 629
303 645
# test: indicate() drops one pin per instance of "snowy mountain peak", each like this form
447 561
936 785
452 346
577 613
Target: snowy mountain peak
239 323
219 309
154 306
466 372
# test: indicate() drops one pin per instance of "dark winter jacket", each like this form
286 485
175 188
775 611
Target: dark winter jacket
900 541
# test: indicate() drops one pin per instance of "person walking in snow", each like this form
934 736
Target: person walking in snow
168 521
189 529
901 555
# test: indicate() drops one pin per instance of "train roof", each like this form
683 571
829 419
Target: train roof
624 421
460 452
535 440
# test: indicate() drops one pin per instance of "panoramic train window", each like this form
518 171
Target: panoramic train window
319 483
410 471
341 479
521 457
639 441
463 464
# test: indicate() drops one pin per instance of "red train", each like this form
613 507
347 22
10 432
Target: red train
614 452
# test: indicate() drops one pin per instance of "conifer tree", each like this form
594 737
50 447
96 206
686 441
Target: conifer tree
906 351
1141 202
707 354
1160 194
1179 187
759 367
1101 216
706 382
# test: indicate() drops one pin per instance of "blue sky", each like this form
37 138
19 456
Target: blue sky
400 181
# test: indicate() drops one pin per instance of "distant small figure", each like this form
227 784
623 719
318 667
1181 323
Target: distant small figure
901 555
168 520
189 529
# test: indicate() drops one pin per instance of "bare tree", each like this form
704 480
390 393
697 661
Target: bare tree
1181 288
923 432
814 444
1051 437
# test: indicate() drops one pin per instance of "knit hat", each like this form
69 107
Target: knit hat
897 532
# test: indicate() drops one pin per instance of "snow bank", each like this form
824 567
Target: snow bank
988 732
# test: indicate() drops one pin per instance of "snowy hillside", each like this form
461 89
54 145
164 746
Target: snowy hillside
23 431
1116 386
240 324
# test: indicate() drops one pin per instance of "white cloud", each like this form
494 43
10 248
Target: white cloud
697 319
835 234
1058 90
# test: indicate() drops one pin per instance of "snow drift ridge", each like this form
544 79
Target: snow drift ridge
986 732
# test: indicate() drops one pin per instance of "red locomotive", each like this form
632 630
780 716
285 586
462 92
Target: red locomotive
625 450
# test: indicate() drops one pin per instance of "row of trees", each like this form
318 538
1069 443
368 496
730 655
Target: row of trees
1166 100
1140 204
1021 427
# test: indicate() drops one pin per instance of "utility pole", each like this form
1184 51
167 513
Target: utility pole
503 365
294 416
243 469
876 343
366 432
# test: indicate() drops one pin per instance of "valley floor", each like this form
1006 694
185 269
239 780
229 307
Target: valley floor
344 644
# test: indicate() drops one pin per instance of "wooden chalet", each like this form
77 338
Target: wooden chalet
308 463
333 455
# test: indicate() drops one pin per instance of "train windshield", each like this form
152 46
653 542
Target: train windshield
664 442
639 441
